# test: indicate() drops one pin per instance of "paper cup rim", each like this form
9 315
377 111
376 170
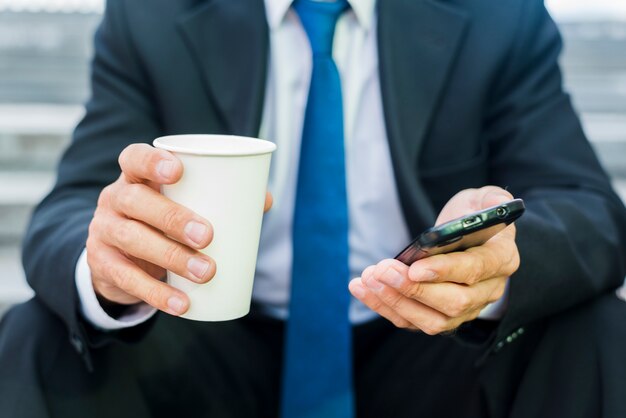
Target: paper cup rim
254 146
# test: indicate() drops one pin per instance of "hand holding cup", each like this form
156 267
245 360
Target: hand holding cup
137 234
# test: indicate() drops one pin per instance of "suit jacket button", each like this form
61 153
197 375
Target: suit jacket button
499 346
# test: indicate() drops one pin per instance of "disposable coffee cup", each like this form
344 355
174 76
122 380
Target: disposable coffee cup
224 181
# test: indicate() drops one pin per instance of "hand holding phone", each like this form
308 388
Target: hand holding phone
437 294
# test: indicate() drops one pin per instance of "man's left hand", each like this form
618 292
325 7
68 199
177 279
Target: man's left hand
439 293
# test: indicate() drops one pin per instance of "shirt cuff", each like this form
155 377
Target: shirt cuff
92 311
496 310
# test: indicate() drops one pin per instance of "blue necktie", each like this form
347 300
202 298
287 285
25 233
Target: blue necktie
317 375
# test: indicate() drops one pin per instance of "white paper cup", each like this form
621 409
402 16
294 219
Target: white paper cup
224 180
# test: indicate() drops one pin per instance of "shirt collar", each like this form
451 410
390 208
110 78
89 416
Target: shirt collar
277 9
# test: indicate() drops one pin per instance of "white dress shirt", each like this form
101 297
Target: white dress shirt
377 227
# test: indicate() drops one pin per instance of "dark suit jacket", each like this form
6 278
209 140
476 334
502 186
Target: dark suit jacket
472 96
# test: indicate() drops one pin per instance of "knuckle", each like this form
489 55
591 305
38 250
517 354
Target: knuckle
498 291
475 271
395 302
473 315
428 330
93 229
154 296
435 327
416 291
514 262
124 279
98 226
127 197
93 255
375 304
125 234
493 262
173 253
172 219
400 322
461 304
368 271
104 198
91 245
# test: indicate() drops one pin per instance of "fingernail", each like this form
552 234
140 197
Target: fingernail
392 277
426 276
176 304
198 267
165 168
372 283
196 232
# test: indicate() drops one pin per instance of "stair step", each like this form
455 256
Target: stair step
19 193
39 118
53 6
62 45
33 136
598 92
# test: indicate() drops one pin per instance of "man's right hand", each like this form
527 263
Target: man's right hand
137 233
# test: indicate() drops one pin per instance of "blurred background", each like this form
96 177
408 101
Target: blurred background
45 48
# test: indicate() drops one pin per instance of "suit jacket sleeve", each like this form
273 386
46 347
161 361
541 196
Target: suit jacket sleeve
120 111
572 238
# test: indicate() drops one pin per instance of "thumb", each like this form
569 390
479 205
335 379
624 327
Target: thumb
472 200
493 196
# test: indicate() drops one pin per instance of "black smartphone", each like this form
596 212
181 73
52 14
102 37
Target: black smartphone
462 233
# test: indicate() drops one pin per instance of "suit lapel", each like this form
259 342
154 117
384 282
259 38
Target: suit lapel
418 41
230 42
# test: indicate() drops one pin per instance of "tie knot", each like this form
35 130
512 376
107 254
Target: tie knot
319 19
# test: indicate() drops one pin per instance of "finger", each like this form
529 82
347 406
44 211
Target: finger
370 300
143 242
118 271
451 299
368 271
489 196
152 269
496 258
269 200
137 201
141 163
423 317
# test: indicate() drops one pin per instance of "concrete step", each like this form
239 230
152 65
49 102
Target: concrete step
33 136
52 6
586 41
598 92
607 133
19 193
49 64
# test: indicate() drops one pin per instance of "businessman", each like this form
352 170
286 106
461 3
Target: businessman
389 117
